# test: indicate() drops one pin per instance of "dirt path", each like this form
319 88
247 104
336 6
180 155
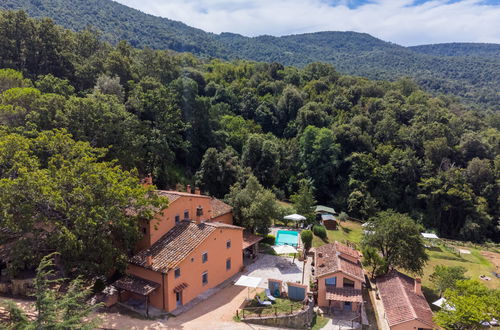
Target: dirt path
214 313
494 258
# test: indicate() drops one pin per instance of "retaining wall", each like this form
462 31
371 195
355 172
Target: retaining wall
299 320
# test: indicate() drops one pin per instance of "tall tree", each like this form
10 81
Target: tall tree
468 305
55 309
72 203
445 277
304 202
397 237
254 207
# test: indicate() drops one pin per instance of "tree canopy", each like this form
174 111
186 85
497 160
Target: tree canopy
468 305
397 238
58 194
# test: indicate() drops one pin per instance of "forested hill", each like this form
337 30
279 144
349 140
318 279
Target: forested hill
360 145
474 79
117 22
460 49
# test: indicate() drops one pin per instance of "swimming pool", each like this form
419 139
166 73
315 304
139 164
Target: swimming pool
287 237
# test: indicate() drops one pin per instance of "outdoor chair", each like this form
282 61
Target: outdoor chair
270 296
263 303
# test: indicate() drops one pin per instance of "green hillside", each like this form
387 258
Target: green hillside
460 49
438 68
117 22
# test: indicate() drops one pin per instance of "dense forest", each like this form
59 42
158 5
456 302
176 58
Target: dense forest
462 49
365 145
469 71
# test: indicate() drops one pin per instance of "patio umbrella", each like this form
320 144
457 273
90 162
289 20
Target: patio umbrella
294 217
441 303
285 249
249 282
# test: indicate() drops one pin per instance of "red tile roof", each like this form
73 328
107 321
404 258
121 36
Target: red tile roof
136 285
328 260
219 208
343 294
250 239
401 302
173 247
342 248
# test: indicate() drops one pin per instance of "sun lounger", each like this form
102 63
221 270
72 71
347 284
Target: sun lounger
263 303
269 295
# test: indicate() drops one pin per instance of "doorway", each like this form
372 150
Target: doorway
178 298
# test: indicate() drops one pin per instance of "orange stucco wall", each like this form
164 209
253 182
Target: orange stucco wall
192 268
165 220
156 297
410 325
225 218
322 301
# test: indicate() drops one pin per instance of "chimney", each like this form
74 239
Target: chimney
149 261
188 188
418 286
197 191
147 181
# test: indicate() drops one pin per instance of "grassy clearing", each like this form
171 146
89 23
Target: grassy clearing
280 306
348 231
475 263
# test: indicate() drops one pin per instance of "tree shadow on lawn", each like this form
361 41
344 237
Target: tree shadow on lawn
345 229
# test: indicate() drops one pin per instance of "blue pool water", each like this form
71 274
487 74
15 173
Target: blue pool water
287 237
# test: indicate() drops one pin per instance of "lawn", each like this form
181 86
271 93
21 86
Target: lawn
280 306
348 231
475 264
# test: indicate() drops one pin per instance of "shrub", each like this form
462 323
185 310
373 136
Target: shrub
269 239
320 231
306 236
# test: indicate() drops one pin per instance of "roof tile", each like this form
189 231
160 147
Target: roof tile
174 246
401 302
332 261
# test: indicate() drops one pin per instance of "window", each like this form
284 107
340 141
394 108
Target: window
348 283
177 272
228 244
331 281
199 211
204 257
186 215
177 219
144 230
204 278
228 264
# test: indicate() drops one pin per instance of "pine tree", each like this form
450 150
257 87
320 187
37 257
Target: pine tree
55 309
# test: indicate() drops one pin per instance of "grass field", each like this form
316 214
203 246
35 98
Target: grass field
475 263
348 231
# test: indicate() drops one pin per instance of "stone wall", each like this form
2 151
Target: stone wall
17 287
299 320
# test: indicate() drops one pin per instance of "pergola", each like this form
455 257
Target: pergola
138 286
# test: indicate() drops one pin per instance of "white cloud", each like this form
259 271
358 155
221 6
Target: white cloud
398 21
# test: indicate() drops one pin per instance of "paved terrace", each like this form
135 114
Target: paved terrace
216 308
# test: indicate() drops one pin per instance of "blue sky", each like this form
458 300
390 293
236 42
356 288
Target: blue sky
406 22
